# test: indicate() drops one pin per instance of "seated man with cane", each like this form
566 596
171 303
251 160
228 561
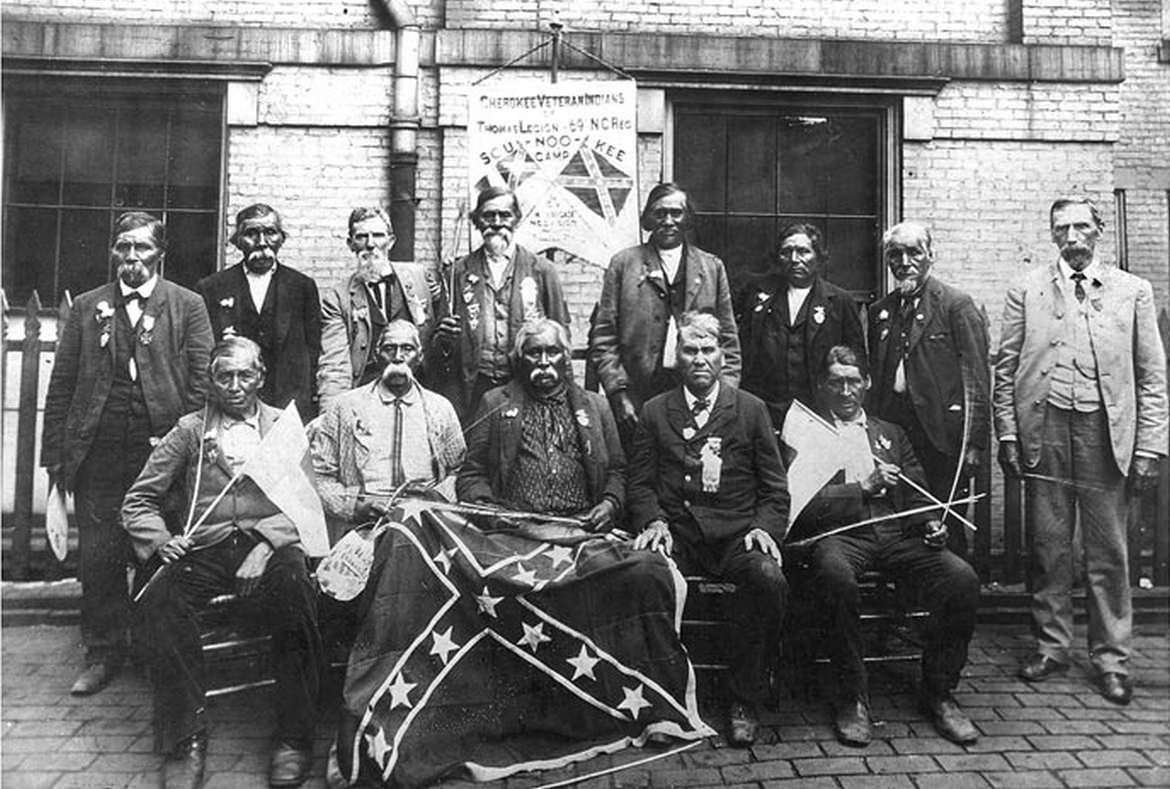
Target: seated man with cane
899 529
242 543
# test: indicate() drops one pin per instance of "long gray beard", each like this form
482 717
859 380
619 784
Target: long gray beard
495 244
372 267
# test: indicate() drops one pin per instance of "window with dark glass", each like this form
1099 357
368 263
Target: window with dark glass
80 152
752 169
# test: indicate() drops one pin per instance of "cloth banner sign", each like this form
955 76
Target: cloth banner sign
569 152
486 653
816 456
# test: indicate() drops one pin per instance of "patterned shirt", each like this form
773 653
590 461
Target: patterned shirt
549 476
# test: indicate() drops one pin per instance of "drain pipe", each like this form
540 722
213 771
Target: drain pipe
404 126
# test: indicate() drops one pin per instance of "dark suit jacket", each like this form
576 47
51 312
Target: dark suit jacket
830 317
840 503
292 362
495 441
948 351
458 363
172 369
629 329
665 479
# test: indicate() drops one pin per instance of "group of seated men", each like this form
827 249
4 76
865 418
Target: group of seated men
461 383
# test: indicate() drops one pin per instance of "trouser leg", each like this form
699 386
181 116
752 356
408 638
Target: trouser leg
759 601
1052 514
1103 509
836 563
289 604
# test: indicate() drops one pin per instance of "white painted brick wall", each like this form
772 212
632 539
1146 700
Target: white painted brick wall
1068 21
1036 111
275 13
315 96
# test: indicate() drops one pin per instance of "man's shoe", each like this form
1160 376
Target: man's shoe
290 765
852 723
743 722
1115 687
949 720
95 677
183 767
1041 667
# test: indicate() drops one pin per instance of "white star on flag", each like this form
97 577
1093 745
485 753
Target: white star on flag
487 604
444 558
533 636
379 747
560 554
634 701
583 664
400 692
410 509
525 576
443 646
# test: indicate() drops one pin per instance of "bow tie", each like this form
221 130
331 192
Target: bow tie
699 406
133 296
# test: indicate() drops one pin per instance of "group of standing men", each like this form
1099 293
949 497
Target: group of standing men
698 387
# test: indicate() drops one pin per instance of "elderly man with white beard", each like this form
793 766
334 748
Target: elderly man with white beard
491 293
356 309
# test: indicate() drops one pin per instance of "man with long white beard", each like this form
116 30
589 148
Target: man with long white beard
491 293
928 350
356 309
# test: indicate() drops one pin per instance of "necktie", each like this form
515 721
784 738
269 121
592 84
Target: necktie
134 296
399 476
380 288
1078 277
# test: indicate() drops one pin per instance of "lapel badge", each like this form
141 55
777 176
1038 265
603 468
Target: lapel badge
884 315
819 314
227 302
511 413
884 442
582 417
919 317
885 332
688 433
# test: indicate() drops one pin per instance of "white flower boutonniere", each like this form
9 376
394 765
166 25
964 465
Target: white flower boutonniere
884 442
582 417
104 315
227 302
472 279
884 315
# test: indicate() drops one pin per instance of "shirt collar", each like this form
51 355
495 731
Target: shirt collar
858 421
1092 271
712 396
252 421
384 394
799 291
145 289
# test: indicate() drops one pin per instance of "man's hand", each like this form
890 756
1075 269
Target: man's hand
368 509
449 329
600 518
762 541
248 576
972 460
935 534
1143 474
655 537
624 411
884 475
56 476
1009 459
174 549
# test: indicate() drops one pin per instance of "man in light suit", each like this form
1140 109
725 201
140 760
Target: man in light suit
928 349
647 289
497 288
131 359
244 545
271 304
1080 404
355 310
707 487
789 319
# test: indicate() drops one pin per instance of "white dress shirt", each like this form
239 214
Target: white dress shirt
701 417
258 285
796 298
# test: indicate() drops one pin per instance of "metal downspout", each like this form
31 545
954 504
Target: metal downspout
404 126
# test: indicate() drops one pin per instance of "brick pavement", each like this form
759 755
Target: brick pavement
1057 734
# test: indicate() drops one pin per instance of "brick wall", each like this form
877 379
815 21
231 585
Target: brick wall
1142 154
277 13
1028 111
946 20
1067 21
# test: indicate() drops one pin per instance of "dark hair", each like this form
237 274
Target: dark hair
235 344
132 220
362 213
847 355
491 193
814 236
253 211
1065 202
660 191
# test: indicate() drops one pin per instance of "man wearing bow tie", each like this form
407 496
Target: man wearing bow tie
931 377
707 487
131 359
646 290
275 306
1080 404
355 310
